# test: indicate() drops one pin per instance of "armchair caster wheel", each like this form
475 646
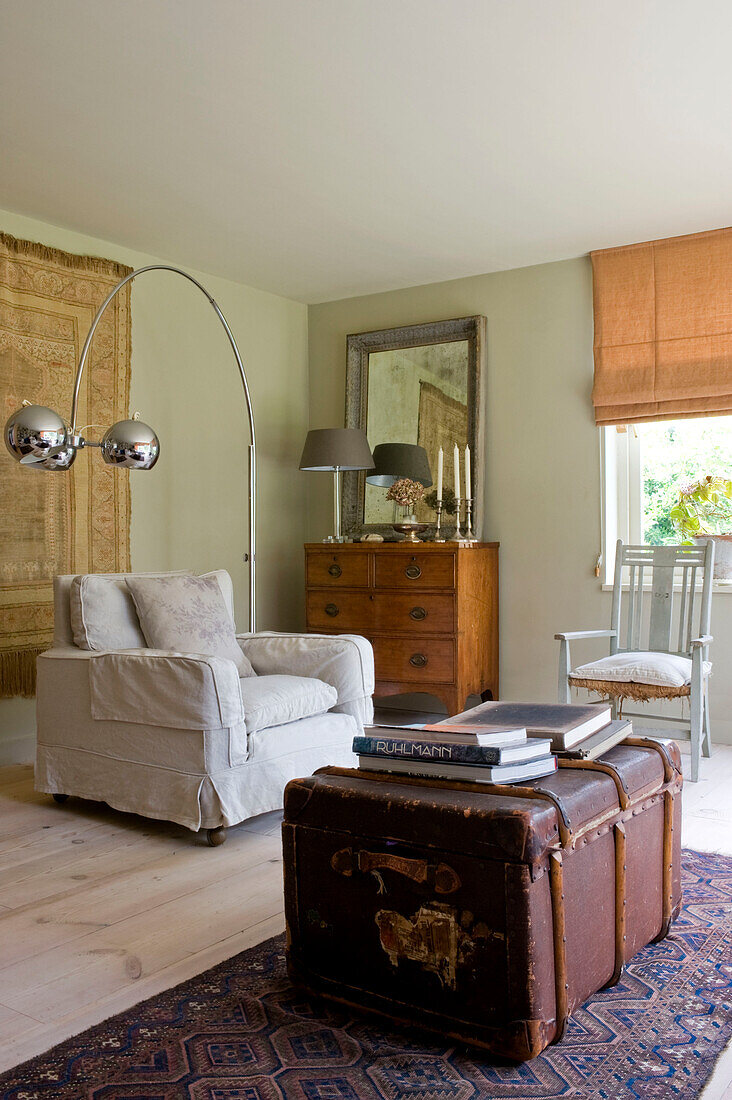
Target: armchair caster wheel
215 837
60 797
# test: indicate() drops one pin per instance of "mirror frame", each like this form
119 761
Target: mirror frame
359 347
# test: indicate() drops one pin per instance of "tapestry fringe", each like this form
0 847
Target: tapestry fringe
71 260
18 672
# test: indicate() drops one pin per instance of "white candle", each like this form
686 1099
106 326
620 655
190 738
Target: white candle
467 473
457 472
439 474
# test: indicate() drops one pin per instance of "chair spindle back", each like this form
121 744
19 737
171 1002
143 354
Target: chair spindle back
674 616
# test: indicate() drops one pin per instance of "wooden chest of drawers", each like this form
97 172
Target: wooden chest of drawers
430 610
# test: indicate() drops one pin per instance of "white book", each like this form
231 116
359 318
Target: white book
497 735
469 773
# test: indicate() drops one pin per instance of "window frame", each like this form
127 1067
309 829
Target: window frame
622 506
621 498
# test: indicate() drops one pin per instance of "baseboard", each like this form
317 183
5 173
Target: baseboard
17 749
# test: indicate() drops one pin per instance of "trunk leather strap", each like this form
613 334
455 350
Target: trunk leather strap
561 985
620 901
669 766
668 862
443 877
608 769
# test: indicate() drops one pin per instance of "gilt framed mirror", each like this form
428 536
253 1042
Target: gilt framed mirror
415 384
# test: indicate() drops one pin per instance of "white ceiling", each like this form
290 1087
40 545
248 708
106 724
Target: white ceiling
325 148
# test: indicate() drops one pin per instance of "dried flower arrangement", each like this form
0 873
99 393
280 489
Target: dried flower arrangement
406 492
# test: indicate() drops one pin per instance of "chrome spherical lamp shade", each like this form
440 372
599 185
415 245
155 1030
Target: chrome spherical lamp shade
37 437
130 443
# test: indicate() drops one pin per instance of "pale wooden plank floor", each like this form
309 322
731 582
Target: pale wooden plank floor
99 910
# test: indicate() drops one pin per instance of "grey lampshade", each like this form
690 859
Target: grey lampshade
395 460
326 448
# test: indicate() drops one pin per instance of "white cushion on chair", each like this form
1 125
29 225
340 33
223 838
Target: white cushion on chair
276 700
659 669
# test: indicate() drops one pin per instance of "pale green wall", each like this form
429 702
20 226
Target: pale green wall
542 483
190 511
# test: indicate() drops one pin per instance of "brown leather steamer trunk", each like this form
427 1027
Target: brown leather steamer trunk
486 913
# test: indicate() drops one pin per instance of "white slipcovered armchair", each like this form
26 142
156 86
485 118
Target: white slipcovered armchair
179 736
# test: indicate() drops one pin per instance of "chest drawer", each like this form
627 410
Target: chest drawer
431 570
348 612
415 660
417 612
329 567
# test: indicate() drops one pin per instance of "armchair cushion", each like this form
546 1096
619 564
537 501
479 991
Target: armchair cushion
345 661
664 670
187 614
276 700
102 612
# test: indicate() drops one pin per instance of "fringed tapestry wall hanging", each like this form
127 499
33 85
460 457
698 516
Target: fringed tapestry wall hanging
443 422
76 521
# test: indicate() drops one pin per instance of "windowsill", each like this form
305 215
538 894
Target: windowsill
717 587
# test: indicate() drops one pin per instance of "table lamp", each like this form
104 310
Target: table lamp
336 449
395 460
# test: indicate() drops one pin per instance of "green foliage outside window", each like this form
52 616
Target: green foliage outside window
704 508
675 455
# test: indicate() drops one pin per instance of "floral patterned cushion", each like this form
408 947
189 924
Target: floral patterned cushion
187 614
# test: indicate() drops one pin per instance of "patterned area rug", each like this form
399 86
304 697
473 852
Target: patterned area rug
241 1032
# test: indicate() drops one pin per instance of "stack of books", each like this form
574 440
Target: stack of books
500 754
493 743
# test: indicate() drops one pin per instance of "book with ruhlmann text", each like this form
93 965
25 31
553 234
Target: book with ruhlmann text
449 750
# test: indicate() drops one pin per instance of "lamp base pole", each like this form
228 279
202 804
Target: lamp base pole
337 537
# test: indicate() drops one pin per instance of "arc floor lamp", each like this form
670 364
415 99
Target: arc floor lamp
39 438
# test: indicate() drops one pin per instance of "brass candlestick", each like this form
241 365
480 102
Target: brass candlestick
438 527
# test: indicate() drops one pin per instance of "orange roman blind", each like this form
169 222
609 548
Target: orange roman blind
663 329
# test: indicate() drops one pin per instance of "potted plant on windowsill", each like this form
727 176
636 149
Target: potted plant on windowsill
704 511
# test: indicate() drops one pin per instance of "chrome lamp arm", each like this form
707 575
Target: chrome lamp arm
36 436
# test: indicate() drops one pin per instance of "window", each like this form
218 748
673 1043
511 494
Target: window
644 466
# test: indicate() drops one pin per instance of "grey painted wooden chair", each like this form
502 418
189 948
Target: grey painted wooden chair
677 622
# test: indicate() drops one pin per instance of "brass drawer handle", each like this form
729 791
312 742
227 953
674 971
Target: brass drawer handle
418 660
418 613
335 570
331 609
413 571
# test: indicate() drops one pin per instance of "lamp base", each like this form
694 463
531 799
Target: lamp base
335 538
